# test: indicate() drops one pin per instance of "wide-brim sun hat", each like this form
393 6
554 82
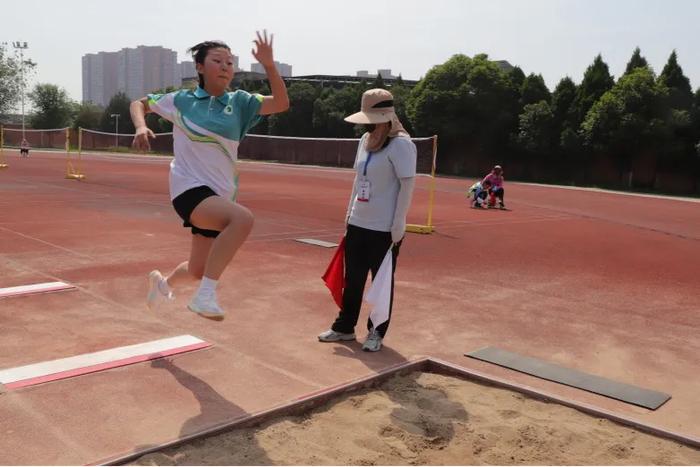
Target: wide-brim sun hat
377 106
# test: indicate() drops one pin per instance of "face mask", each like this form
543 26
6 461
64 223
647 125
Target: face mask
370 127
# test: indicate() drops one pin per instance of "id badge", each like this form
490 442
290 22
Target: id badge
363 190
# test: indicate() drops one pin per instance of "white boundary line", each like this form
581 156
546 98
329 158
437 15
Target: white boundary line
315 242
614 192
87 363
34 289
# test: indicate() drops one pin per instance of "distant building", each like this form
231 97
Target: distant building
338 81
385 73
186 71
134 71
100 72
145 69
504 65
284 69
241 76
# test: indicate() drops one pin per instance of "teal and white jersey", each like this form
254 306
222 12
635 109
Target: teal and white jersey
206 133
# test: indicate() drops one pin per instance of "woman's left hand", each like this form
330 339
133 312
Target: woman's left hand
398 232
263 50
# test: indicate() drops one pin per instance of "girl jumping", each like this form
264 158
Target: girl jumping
208 125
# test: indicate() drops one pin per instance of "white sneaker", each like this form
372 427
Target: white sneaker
373 342
332 336
155 295
206 307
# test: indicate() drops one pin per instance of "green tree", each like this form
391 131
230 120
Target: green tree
88 116
680 99
378 82
332 106
630 119
695 121
680 93
52 107
563 99
564 111
402 94
534 90
537 128
517 77
118 104
468 103
459 99
636 61
596 82
11 79
298 120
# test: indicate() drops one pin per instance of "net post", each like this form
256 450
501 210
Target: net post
80 158
3 164
432 183
71 173
428 228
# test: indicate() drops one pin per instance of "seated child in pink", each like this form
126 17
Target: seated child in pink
495 179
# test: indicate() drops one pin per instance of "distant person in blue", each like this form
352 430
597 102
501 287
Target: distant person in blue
479 192
208 125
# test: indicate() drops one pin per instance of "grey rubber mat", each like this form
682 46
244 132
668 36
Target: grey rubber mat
313 241
574 378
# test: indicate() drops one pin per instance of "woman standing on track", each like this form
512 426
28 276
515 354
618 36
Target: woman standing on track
376 215
208 124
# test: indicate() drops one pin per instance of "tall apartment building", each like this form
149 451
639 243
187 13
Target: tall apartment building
145 69
100 74
134 71
284 69
186 70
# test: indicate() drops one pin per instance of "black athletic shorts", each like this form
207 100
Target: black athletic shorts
185 203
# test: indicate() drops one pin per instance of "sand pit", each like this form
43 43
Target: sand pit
425 418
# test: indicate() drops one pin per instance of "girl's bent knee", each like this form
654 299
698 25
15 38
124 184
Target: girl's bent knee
244 218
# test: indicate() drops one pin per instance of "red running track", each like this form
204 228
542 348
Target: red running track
600 282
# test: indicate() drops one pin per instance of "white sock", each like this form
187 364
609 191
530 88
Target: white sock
164 287
207 287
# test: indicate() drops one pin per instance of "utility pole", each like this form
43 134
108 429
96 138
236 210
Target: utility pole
21 46
116 132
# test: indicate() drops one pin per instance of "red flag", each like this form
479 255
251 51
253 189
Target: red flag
334 277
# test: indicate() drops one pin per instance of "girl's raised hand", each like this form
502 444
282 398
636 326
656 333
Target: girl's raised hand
263 50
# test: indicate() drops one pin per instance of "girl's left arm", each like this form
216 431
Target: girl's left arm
279 100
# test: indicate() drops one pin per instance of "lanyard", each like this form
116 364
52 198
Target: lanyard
369 157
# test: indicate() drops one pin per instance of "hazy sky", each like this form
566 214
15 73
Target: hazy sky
552 37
